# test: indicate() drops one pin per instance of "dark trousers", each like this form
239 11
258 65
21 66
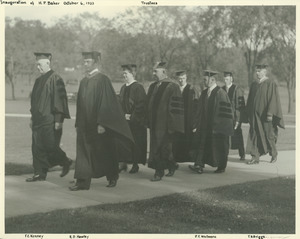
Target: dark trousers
96 157
181 147
237 141
221 149
45 149
213 150
139 148
162 155
133 153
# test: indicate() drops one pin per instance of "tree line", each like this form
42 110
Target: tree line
233 38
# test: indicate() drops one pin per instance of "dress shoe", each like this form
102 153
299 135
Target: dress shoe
242 158
77 188
172 171
197 169
66 168
155 178
112 183
220 170
273 159
253 161
134 169
122 167
35 178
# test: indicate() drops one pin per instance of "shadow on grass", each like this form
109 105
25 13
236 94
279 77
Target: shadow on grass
19 169
264 207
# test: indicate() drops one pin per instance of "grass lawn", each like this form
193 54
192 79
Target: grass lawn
18 169
261 207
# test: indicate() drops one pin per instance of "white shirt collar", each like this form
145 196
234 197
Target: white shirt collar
46 71
128 84
93 71
212 87
263 79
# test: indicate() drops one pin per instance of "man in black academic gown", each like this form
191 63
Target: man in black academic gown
264 115
183 141
165 117
100 121
133 100
236 96
49 108
213 126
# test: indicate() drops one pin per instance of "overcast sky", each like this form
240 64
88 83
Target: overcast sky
48 14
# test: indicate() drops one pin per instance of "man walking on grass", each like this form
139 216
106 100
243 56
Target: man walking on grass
100 121
133 100
264 115
213 126
183 141
236 96
165 117
49 108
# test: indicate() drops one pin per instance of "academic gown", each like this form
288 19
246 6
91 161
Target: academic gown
49 101
97 104
213 122
183 141
133 101
263 100
49 104
236 96
165 117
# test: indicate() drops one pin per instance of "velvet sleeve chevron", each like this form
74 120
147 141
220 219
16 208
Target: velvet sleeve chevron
176 105
225 110
176 111
223 117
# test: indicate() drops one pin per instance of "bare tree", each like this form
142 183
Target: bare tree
250 34
283 50
160 25
9 75
204 29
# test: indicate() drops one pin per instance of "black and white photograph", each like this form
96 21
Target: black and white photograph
148 119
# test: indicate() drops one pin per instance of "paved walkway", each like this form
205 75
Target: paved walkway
23 198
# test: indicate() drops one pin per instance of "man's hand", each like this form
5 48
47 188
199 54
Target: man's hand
100 129
269 118
58 125
194 130
127 116
237 124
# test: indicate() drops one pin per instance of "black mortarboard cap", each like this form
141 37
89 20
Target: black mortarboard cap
91 55
130 67
161 64
227 73
180 73
210 73
42 55
261 66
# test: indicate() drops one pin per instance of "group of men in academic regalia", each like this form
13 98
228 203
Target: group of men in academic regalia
112 129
